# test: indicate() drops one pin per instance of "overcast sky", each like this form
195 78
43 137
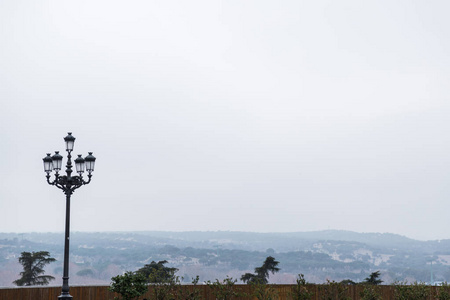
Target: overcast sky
268 116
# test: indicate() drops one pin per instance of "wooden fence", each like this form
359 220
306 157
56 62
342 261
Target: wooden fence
102 292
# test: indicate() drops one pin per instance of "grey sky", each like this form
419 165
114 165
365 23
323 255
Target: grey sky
229 115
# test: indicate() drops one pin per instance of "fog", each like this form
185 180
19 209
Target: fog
259 116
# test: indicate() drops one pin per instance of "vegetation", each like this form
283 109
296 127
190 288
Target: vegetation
300 290
130 285
443 292
85 272
157 272
33 264
163 290
373 279
333 290
190 294
370 292
224 290
171 289
336 255
262 273
415 291
264 291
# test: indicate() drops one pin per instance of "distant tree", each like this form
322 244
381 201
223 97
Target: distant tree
33 264
270 251
262 273
348 282
157 272
373 279
85 272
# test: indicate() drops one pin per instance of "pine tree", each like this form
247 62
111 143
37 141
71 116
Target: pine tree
33 264
262 273
373 279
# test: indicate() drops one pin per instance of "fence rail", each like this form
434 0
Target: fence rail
102 292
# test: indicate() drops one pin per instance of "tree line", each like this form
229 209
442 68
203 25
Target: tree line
167 286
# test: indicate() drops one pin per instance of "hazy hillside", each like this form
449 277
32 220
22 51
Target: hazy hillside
97 256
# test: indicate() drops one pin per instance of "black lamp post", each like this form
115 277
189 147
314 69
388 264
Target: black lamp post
68 184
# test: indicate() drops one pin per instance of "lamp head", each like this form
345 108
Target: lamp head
79 164
57 161
48 163
90 162
70 140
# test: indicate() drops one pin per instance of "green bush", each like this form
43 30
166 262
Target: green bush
129 285
415 291
163 288
370 292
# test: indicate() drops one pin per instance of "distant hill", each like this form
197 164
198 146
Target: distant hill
332 254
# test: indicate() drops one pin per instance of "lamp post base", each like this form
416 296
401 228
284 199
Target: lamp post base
65 297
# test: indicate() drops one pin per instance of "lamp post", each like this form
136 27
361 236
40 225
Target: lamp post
68 184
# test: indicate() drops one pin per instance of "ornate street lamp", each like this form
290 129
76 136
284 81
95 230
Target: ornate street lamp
68 184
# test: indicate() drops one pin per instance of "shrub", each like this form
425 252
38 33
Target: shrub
300 291
185 294
130 285
415 291
443 292
264 291
163 288
223 290
333 290
370 292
